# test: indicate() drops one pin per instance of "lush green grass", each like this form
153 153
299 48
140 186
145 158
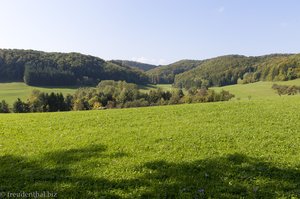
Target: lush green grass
166 87
11 91
258 90
147 88
230 149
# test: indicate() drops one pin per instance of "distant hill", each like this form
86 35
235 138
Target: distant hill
227 70
134 64
60 69
233 69
166 74
38 68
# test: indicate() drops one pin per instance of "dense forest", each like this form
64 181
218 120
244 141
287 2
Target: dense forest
227 70
134 64
61 69
166 74
233 69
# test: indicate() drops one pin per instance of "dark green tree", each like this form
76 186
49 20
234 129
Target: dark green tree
4 108
20 107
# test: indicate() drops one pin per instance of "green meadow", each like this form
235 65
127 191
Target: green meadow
11 91
257 90
235 149
147 88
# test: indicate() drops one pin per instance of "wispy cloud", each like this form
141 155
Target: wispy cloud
140 59
149 61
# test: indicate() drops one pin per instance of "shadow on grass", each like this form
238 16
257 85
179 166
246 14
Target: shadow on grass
57 172
147 86
60 87
44 87
232 176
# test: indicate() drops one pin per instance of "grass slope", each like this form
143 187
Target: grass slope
258 90
147 88
230 149
11 91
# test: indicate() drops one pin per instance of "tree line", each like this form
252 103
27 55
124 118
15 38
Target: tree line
286 90
111 94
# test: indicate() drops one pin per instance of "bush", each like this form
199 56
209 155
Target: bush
4 107
286 90
20 107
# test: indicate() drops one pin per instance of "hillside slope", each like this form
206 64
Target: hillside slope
227 70
61 69
166 74
233 69
134 64
64 69
258 90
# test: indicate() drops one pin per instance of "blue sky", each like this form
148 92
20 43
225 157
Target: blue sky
153 31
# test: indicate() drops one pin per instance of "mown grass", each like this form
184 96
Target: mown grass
236 149
11 91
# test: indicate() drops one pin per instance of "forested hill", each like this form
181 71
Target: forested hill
235 69
226 70
134 64
166 74
61 69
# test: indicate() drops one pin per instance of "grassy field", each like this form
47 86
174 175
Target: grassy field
236 149
258 90
166 87
11 91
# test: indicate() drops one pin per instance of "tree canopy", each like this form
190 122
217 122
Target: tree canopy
166 74
134 64
233 69
60 69
63 69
